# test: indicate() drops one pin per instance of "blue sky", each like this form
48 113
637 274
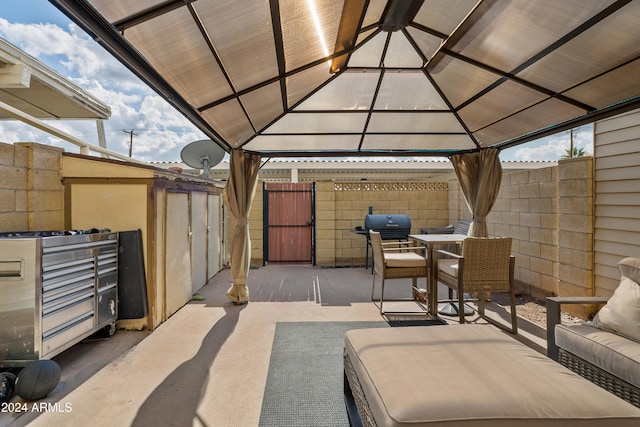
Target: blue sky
43 32
33 11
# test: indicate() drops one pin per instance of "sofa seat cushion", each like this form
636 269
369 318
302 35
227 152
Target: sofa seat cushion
613 353
404 259
474 376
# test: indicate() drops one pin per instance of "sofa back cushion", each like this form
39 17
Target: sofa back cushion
630 267
462 227
621 314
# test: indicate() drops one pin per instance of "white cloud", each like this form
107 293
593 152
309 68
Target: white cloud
54 46
553 147
15 131
156 111
161 130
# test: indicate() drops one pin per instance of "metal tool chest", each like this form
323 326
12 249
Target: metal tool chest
56 288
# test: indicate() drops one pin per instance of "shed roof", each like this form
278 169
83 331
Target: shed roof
376 77
34 89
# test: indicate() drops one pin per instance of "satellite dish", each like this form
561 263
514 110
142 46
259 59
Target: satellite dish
203 154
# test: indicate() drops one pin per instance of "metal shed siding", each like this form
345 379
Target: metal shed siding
617 193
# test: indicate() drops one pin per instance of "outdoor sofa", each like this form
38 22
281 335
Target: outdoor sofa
462 227
467 375
605 350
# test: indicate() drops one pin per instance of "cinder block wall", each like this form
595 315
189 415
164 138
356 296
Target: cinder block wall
549 214
576 231
255 226
527 210
426 203
342 206
31 192
327 242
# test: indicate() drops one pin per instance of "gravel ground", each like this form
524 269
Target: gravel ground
532 309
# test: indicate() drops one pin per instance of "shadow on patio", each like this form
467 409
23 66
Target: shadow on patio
208 363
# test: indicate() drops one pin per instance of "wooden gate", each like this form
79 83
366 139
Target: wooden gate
289 223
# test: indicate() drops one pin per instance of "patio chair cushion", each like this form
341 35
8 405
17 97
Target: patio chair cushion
611 352
621 314
404 259
449 266
472 375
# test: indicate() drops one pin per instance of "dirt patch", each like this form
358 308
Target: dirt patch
531 309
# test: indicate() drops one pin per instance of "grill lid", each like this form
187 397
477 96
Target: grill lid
396 222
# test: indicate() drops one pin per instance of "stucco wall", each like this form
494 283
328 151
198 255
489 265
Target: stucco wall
169 210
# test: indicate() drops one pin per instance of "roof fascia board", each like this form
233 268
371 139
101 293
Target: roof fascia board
12 55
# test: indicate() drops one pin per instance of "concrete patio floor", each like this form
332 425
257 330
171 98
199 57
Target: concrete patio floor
207 364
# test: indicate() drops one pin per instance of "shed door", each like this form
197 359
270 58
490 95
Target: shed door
198 236
214 245
178 253
289 223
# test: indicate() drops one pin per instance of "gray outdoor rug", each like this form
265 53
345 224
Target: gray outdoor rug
305 379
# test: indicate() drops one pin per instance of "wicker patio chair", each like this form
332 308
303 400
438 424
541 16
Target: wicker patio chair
485 266
397 262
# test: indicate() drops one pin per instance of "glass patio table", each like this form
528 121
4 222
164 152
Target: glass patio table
430 241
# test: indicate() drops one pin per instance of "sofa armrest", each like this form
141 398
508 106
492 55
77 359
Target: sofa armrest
553 318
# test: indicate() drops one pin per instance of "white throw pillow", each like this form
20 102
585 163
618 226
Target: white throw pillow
621 314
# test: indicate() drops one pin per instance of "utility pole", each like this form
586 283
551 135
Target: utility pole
571 143
131 135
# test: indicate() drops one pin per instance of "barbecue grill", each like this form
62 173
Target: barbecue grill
390 227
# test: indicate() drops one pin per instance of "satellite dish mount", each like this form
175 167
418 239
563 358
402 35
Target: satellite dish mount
204 161
203 154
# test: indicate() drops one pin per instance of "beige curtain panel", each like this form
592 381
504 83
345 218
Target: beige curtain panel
480 175
240 189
